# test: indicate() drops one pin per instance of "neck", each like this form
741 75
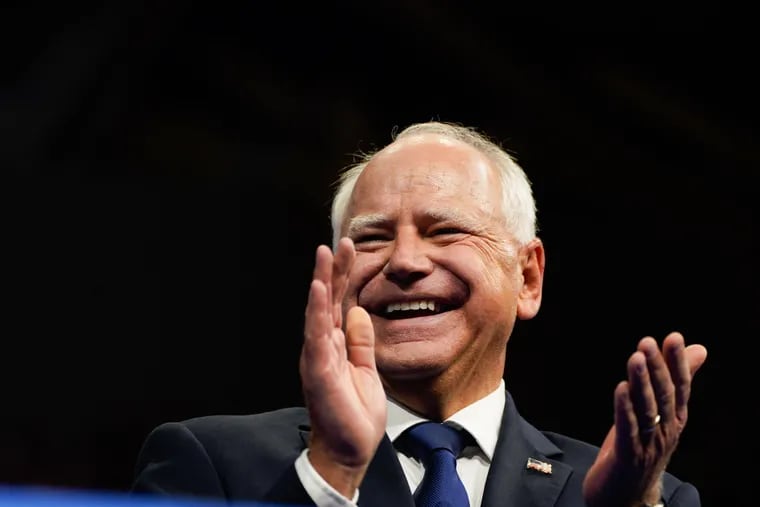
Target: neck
437 398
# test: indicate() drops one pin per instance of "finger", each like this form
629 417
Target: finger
323 264
323 269
696 355
662 383
642 394
683 362
626 422
360 338
344 259
317 324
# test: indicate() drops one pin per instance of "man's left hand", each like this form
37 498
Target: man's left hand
650 414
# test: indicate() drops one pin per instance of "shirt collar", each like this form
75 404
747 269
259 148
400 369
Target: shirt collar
481 419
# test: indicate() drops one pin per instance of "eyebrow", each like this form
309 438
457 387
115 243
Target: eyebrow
455 216
360 222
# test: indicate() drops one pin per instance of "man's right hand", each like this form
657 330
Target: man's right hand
341 386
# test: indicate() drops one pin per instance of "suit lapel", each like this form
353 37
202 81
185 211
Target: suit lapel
385 483
510 481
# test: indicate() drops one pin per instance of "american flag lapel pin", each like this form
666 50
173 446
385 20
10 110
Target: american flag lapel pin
539 466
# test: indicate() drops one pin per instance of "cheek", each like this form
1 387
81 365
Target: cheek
487 269
363 273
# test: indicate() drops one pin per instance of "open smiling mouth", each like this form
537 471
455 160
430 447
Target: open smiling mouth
412 309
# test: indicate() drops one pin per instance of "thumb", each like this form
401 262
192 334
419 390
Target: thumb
696 355
360 338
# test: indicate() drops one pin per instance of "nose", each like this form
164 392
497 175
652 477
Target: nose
408 260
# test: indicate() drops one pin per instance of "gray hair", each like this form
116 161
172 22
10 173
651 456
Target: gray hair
518 205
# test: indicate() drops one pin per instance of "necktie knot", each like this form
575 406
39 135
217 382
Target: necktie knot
438 446
427 437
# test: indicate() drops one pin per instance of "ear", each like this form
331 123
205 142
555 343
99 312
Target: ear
532 262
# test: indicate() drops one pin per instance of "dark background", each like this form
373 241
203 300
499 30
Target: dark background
169 168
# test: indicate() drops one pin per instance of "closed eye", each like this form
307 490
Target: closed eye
369 238
447 230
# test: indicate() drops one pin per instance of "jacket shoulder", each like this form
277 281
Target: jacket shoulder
229 438
222 455
220 426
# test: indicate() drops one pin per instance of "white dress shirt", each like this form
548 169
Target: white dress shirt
482 420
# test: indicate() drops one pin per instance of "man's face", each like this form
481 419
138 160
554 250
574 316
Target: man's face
435 267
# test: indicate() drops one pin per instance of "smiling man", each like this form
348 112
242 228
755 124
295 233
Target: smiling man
434 259
427 219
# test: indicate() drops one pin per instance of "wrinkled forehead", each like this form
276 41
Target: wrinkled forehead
429 178
428 162
427 170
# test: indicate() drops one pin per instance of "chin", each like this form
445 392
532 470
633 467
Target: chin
413 360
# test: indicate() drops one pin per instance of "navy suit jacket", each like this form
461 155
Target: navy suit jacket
251 458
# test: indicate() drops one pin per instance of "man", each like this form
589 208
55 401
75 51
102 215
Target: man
434 259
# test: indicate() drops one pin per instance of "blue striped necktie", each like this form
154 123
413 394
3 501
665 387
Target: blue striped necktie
438 446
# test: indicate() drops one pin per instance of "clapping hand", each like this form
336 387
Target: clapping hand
342 389
651 409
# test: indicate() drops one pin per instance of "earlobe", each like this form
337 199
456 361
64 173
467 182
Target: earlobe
532 262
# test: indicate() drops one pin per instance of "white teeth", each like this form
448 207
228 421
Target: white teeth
411 305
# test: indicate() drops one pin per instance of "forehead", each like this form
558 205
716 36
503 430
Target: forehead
428 165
